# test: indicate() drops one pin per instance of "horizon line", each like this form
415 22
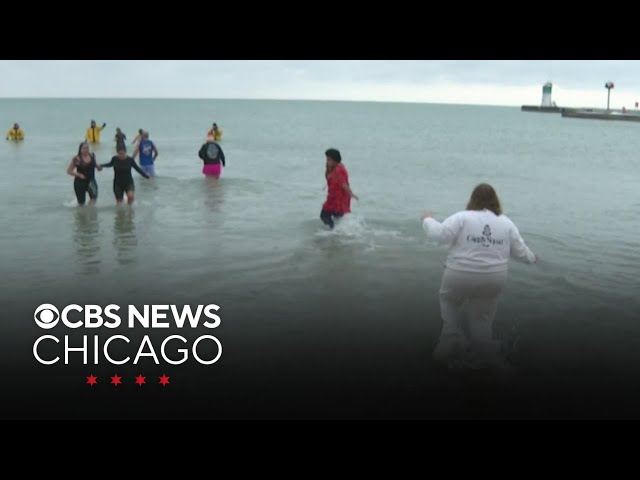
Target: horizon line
412 102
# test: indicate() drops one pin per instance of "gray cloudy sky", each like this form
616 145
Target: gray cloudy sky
504 82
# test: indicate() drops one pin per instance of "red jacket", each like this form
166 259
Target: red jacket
338 199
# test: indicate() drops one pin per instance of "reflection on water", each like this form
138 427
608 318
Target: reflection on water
213 192
124 235
86 239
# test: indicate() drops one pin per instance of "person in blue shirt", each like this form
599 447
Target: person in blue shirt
148 154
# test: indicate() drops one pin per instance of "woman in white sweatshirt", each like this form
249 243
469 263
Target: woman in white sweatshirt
481 240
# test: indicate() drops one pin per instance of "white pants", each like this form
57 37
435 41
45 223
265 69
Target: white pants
469 339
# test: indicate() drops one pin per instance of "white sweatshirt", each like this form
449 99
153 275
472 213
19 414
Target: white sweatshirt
479 241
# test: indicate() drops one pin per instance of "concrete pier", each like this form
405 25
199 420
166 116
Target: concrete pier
602 114
537 108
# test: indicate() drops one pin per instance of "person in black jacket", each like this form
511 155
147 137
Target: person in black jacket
213 158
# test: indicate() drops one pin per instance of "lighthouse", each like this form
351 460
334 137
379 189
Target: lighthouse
546 95
547 105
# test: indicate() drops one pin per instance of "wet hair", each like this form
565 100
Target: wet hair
484 196
334 154
82 144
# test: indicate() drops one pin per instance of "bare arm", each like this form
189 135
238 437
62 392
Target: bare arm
71 170
347 188
135 152
95 162
155 152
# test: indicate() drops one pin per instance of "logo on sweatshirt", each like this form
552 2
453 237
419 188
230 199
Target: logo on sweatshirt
485 239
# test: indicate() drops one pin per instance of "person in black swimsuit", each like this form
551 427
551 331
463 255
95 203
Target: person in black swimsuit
122 180
83 168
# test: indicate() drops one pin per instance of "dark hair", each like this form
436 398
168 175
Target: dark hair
334 154
80 147
484 196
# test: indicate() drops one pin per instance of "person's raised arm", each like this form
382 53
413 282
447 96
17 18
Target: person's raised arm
445 232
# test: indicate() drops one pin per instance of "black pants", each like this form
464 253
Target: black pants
326 217
82 187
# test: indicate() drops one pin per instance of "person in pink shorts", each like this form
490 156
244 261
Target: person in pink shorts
213 158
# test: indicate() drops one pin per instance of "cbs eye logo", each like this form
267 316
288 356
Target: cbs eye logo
46 316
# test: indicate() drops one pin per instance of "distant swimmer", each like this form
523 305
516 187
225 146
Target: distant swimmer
213 157
83 168
15 133
339 192
120 139
123 180
93 132
215 132
148 154
138 137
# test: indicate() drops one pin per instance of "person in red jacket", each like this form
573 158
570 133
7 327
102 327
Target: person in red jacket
339 192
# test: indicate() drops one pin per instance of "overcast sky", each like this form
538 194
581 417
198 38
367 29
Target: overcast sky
491 82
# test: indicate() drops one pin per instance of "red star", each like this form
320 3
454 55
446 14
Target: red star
91 380
140 379
163 380
115 380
